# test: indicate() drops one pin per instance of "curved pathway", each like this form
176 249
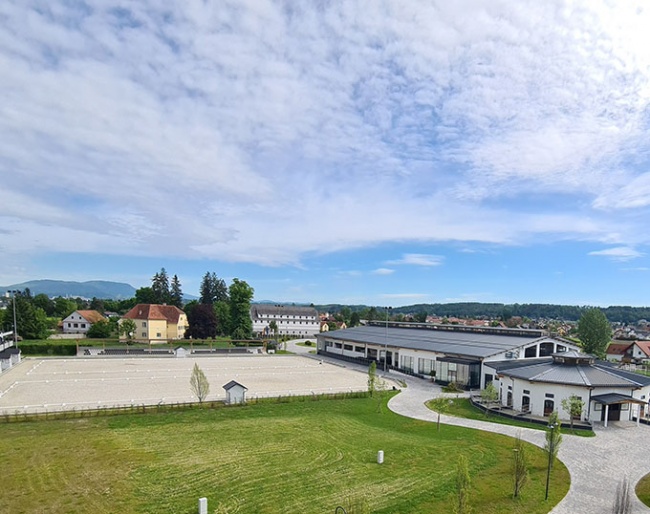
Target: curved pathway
597 464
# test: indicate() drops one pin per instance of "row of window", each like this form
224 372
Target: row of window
76 325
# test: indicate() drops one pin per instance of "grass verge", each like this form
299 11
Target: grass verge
643 490
308 456
463 408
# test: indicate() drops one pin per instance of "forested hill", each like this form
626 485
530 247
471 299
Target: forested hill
499 310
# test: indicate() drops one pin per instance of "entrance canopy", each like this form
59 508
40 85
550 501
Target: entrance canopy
613 398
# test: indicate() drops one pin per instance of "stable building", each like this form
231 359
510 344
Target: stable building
453 353
537 387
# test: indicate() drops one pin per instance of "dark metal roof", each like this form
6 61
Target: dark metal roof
545 370
5 354
610 398
232 384
284 310
461 343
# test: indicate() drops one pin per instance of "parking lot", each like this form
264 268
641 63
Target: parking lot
40 385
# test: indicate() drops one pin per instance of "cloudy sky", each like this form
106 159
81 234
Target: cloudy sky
379 152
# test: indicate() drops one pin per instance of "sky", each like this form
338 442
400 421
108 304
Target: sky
375 152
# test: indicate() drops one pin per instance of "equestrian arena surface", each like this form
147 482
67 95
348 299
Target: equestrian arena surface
49 384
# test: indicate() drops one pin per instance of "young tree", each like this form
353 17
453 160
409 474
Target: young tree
176 293
462 483
127 328
489 395
441 405
553 436
594 332
372 378
199 383
573 406
520 470
274 327
241 295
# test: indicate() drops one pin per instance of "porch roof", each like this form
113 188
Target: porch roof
612 398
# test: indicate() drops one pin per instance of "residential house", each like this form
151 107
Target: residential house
620 352
79 322
157 323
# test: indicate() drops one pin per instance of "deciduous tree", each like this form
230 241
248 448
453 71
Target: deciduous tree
462 483
594 332
241 295
199 383
127 328
202 321
553 436
573 406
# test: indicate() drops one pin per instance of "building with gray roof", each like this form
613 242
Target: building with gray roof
452 353
290 320
539 386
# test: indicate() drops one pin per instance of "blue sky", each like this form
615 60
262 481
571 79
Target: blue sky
385 153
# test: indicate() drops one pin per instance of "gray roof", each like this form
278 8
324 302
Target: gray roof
286 310
473 344
610 398
545 370
232 384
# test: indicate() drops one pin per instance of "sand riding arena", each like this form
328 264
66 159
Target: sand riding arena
49 385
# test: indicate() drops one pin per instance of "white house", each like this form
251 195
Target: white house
79 322
538 386
235 392
455 353
290 320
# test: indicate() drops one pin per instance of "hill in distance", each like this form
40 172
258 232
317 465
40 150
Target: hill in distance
92 289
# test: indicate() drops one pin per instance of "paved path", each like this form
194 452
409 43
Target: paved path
596 464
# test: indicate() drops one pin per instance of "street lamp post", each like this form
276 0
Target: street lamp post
551 448
13 302
386 341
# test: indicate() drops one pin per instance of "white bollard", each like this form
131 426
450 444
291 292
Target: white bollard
203 506
380 457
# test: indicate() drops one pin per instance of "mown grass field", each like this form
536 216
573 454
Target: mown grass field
306 457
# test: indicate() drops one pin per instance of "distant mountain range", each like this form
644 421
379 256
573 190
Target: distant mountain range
92 289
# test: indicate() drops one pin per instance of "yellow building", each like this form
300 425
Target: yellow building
157 323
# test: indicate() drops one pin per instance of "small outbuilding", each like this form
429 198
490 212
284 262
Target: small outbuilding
235 392
180 351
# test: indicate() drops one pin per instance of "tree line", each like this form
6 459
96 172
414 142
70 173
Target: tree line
620 314
221 310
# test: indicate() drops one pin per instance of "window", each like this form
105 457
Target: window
144 334
158 334
550 395
76 325
526 391
347 347
144 324
337 345
83 325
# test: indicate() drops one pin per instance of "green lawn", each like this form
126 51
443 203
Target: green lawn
270 457
643 490
463 408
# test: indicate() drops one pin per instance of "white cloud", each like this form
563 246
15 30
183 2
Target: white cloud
383 271
419 259
619 253
231 131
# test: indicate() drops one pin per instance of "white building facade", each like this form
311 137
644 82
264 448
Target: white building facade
453 353
290 320
539 387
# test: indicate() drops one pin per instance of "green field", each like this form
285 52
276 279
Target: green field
308 456
463 408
